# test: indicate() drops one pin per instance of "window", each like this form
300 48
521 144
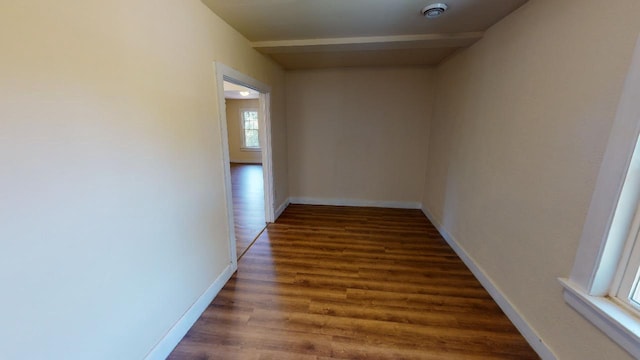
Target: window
603 285
624 288
250 132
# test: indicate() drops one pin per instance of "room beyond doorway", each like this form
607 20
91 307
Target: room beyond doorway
247 188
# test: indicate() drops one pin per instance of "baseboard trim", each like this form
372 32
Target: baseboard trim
355 202
507 307
281 209
246 162
164 347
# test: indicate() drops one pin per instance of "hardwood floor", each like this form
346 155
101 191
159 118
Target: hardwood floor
352 283
247 188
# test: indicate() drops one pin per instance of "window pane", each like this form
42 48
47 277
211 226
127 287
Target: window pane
251 115
634 296
250 126
251 138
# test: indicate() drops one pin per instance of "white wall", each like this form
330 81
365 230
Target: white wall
519 129
112 206
358 135
234 129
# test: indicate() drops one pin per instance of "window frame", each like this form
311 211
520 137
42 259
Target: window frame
625 283
243 144
606 230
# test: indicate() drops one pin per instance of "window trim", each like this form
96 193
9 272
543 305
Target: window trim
243 146
613 319
625 284
603 237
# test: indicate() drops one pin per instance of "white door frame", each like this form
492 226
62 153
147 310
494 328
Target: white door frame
226 73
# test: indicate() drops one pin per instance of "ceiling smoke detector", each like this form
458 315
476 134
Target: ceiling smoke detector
434 10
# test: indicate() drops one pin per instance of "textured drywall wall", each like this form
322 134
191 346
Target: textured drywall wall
112 203
358 134
519 128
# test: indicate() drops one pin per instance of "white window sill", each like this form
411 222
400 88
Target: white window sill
620 325
251 149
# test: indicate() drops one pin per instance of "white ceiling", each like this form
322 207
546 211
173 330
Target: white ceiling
306 34
233 91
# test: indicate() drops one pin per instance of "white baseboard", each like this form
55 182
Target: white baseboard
355 202
281 209
507 307
255 162
164 347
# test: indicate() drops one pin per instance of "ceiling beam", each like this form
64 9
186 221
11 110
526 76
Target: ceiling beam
369 43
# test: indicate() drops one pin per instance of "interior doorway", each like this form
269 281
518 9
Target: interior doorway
244 105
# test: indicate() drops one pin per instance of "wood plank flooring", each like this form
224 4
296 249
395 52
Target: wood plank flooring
352 283
247 189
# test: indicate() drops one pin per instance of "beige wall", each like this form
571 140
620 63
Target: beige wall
358 134
519 129
112 206
234 129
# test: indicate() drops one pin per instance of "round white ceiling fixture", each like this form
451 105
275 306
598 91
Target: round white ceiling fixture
434 10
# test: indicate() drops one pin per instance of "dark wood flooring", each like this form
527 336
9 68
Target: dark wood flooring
247 188
352 283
